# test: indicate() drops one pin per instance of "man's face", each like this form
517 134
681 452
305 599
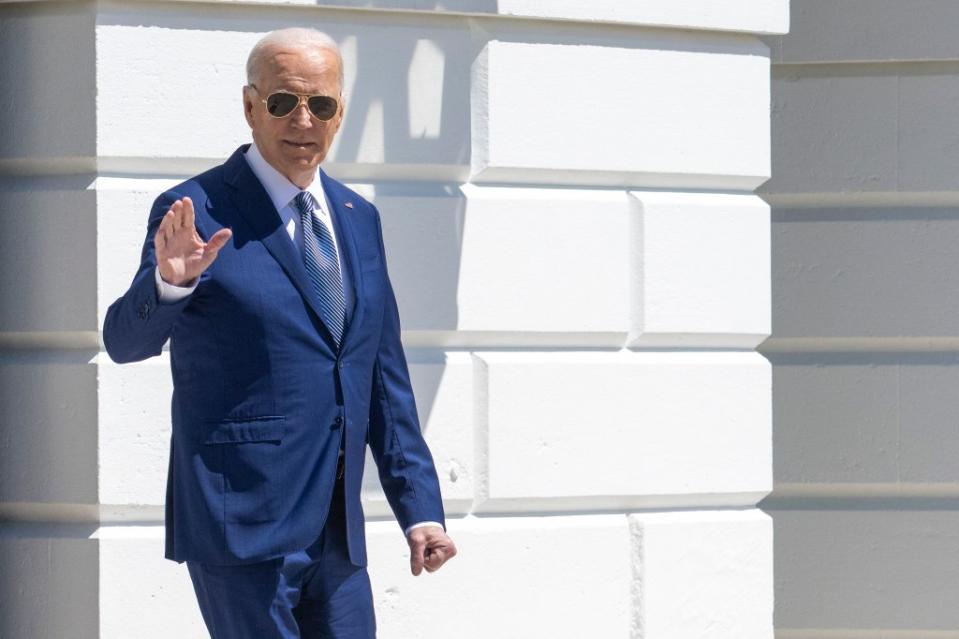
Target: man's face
296 144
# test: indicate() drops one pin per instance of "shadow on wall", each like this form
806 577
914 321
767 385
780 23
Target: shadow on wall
408 98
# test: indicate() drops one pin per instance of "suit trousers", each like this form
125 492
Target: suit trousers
313 593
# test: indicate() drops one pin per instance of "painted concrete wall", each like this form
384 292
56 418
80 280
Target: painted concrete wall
864 346
582 269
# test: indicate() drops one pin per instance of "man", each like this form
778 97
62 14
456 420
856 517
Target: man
269 279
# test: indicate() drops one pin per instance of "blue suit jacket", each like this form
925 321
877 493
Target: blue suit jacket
261 395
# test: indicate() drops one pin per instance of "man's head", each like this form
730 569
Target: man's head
300 61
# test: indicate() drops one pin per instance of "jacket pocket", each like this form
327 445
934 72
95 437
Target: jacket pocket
266 428
252 466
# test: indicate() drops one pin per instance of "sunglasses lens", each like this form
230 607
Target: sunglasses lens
280 104
322 106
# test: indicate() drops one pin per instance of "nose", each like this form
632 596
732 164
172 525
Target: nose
301 116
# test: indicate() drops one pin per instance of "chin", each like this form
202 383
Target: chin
301 161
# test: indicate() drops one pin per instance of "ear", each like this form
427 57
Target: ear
248 105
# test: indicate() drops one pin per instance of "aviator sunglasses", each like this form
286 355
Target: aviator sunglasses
282 104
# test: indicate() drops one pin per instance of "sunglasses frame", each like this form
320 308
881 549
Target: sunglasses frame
302 98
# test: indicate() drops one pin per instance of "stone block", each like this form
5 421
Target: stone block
834 130
702 574
867 569
865 273
738 15
48 437
928 138
49 583
848 129
48 125
701 265
707 125
48 264
542 261
588 430
928 443
868 30
867 424
834 419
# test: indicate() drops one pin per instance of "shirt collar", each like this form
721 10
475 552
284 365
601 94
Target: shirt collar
278 187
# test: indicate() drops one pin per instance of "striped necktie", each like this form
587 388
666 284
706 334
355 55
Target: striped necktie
322 264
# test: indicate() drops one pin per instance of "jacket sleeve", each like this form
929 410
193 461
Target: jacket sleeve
137 325
403 460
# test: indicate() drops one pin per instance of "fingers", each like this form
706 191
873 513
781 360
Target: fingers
164 233
176 212
159 239
439 554
181 215
186 215
435 558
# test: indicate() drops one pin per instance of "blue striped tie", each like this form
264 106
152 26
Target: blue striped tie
322 264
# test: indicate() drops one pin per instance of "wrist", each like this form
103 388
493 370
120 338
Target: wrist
179 283
169 293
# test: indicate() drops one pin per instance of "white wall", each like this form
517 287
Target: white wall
602 425
864 341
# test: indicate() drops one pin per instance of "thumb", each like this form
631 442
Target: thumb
416 557
212 248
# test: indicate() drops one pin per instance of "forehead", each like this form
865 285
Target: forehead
301 69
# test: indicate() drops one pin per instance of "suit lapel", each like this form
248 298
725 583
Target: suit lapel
345 227
255 206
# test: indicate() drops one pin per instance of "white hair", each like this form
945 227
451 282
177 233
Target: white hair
292 36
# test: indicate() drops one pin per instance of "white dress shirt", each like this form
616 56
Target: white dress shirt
281 192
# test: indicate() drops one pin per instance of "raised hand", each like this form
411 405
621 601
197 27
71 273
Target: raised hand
181 255
430 548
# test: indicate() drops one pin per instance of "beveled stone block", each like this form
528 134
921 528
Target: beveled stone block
622 430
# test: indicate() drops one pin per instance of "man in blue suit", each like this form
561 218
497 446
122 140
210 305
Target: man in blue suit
269 280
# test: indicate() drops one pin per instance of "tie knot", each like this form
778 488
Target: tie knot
304 202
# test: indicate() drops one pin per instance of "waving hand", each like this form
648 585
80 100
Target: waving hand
180 252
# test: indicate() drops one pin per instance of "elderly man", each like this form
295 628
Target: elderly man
269 279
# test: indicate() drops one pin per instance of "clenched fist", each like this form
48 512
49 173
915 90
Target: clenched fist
181 255
430 548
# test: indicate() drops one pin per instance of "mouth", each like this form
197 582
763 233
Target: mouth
302 146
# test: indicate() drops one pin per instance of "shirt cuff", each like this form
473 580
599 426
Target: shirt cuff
420 525
168 293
